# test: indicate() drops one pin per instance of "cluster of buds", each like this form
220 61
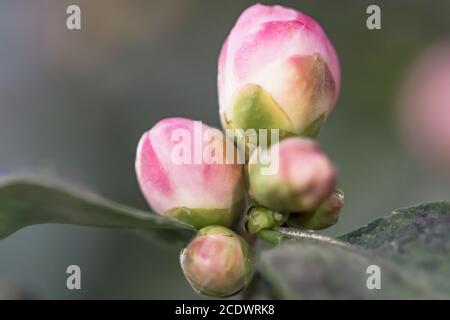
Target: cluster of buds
277 71
207 193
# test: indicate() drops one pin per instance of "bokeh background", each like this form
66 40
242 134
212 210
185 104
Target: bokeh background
73 105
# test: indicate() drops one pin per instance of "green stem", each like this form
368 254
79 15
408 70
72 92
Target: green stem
271 236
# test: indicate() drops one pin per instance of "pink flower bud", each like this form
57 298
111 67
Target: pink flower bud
305 176
283 60
217 262
178 180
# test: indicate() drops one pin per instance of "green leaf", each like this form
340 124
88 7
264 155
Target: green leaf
321 269
25 202
411 246
417 237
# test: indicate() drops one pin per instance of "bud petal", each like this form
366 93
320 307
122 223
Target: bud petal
325 216
305 176
288 55
198 193
217 262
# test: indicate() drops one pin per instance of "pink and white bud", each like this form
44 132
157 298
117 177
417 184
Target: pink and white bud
304 179
281 61
217 262
179 178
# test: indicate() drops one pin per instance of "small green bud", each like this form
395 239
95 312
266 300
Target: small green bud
325 216
217 262
260 218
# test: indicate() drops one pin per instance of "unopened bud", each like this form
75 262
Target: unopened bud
277 69
304 179
217 262
197 193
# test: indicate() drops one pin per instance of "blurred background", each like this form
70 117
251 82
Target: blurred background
73 105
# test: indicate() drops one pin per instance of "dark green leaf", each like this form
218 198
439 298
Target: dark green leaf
321 269
411 246
25 202
417 237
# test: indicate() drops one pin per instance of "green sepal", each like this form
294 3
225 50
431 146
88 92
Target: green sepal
312 131
270 191
199 217
260 218
255 108
325 216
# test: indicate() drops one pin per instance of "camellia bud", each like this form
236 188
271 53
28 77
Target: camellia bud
325 216
179 180
277 70
304 178
217 262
